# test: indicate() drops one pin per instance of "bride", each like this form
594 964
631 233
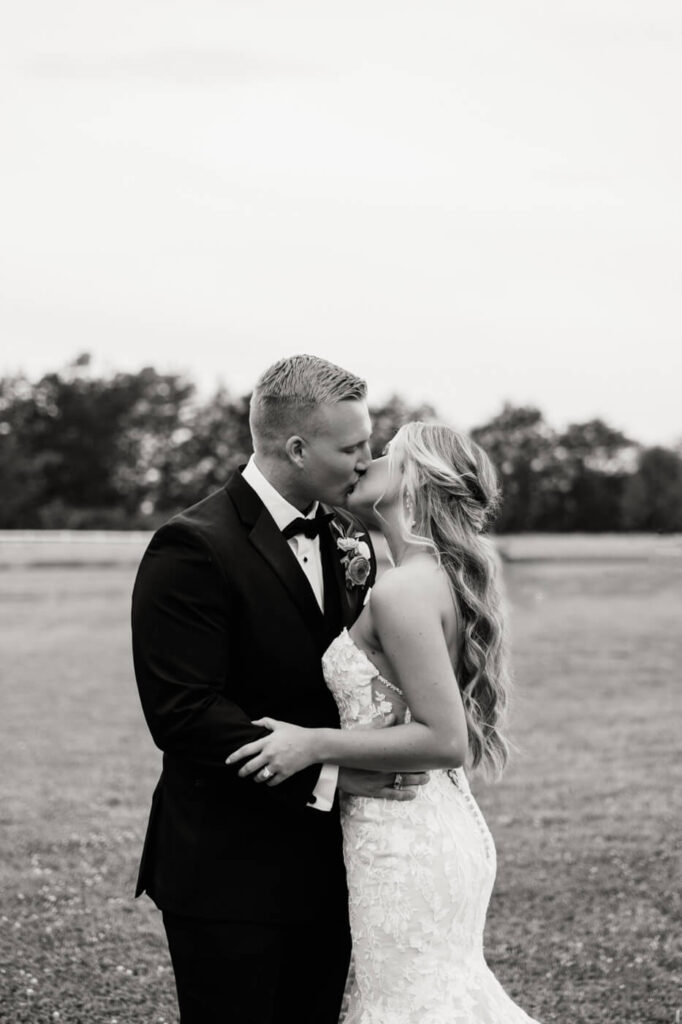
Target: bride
426 660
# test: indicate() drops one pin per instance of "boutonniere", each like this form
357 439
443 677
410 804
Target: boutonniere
356 558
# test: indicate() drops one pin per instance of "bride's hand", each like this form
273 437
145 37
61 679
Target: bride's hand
287 750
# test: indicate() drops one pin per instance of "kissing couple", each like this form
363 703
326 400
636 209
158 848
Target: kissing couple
315 723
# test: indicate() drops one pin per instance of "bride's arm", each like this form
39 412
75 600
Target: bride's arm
407 617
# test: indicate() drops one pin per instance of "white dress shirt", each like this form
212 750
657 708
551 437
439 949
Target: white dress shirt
307 552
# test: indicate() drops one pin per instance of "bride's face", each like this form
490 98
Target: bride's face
379 487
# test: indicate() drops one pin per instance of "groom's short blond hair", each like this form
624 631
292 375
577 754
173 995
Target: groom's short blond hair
291 390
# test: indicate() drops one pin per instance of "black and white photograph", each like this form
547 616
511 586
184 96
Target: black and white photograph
341 517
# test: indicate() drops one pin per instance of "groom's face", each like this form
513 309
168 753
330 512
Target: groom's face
336 450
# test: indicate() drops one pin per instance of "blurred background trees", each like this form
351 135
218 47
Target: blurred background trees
127 450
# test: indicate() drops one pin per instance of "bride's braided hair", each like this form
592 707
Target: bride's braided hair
451 487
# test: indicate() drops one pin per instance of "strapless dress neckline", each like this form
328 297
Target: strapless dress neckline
345 638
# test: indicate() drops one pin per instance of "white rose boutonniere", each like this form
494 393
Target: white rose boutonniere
356 558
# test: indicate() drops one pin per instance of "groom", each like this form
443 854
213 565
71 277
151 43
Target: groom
235 601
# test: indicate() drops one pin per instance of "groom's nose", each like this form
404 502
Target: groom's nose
364 459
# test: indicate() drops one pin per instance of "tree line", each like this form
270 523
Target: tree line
127 450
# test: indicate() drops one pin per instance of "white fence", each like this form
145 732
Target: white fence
104 547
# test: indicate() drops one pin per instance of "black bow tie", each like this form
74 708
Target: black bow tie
310 527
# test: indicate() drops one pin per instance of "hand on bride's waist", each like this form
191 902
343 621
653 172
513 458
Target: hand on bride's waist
286 750
291 748
381 785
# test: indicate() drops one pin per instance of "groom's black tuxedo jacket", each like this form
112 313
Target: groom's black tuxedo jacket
226 629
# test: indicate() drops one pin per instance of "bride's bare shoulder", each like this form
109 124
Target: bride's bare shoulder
419 586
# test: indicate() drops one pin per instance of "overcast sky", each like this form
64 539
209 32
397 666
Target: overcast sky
463 202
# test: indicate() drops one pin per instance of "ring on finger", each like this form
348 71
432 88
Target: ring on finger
266 773
398 781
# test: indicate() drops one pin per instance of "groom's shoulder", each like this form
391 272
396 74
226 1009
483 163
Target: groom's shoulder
207 523
194 547
210 513
202 517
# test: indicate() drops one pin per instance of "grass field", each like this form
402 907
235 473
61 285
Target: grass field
585 919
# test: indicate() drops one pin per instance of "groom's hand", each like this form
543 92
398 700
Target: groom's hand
380 784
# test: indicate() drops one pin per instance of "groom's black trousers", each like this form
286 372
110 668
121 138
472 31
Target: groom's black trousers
229 972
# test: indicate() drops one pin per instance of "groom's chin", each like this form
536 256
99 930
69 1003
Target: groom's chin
350 500
362 505
354 503
345 499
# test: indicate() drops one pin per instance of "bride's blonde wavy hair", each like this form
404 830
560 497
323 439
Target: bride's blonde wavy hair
450 487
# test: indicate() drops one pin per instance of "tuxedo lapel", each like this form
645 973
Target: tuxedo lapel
267 539
334 574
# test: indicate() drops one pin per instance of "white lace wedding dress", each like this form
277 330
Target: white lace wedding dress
420 874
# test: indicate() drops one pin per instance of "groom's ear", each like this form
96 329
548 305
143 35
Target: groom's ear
295 449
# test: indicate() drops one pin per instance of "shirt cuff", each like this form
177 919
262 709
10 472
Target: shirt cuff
323 794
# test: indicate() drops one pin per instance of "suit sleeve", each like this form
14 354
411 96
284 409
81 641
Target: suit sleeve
181 623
